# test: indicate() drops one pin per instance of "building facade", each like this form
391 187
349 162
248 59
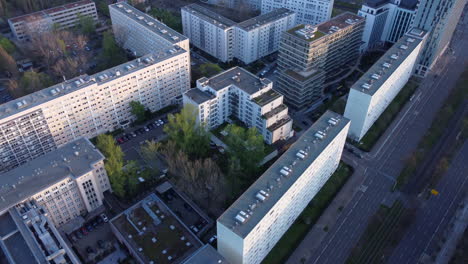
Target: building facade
260 36
311 12
240 94
209 31
65 16
87 106
374 91
439 18
141 33
309 56
254 223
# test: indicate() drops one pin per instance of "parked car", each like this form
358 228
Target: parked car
79 234
146 128
89 250
213 239
141 130
133 134
84 231
73 237
104 218
89 227
99 220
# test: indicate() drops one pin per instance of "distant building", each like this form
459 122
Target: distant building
375 90
253 224
65 16
311 12
87 106
141 33
386 20
239 93
309 55
206 255
439 18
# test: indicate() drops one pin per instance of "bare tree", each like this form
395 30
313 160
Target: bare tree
7 63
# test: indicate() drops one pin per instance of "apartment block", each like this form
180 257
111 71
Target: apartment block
311 12
260 36
65 16
386 21
87 106
209 31
253 224
374 91
309 56
141 33
240 94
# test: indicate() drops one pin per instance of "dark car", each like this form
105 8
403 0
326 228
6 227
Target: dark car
79 234
99 220
89 250
141 130
89 227
84 231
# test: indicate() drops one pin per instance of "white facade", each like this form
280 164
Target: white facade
87 106
65 16
376 89
141 33
307 11
260 36
254 223
237 92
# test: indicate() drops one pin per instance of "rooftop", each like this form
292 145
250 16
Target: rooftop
206 255
155 233
261 20
198 96
267 97
149 22
250 208
378 74
209 16
47 12
238 77
71 160
26 102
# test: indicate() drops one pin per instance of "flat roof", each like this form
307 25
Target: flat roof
198 96
206 255
149 22
264 19
45 13
31 100
71 160
276 185
239 77
209 16
378 74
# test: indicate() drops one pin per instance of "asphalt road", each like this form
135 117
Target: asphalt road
384 163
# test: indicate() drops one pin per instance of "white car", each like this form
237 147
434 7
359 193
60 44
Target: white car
104 218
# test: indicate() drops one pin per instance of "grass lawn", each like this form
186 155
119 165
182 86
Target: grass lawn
309 216
386 118
337 11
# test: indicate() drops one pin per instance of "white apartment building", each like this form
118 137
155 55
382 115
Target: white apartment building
307 11
67 182
239 93
65 16
376 89
87 106
260 36
141 33
254 223
209 31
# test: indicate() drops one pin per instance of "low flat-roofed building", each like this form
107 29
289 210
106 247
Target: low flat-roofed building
206 255
254 223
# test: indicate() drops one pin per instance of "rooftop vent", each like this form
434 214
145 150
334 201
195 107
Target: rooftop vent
308 31
387 65
320 134
285 171
21 104
242 217
301 154
410 40
403 47
140 17
163 31
375 76
366 85
54 91
350 21
261 196
174 37
333 121
394 56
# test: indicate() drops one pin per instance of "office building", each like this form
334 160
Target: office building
254 223
141 33
209 31
311 55
311 12
374 91
248 98
386 21
87 106
260 36
65 16
439 18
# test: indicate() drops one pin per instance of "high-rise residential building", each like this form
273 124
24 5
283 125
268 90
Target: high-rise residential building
250 5
307 11
209 31
67 182
386 20
260 36
87 106
374 91
439 18
309 55
65 16
250 99
254 223
141 33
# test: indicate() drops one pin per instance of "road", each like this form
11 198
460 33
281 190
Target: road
383 164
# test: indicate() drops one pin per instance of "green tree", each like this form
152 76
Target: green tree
138 110
32 81
189 136
113 163
205 70
150 151
7 45
168 18
112 54
86 24
7 63
131 173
